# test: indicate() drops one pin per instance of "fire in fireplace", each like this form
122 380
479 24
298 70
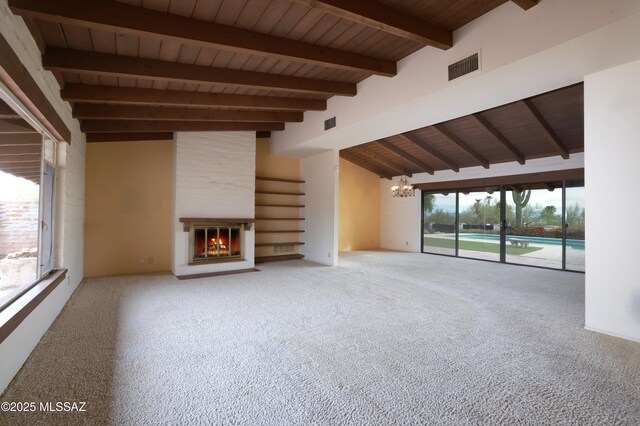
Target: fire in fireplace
216 242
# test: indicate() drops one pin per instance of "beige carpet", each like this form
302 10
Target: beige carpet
385 338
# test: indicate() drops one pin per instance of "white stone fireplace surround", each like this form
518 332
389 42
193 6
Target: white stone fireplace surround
214 177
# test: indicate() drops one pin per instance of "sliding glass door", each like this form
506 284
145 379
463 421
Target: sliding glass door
479 236
534 227
539 224
574 223
439 223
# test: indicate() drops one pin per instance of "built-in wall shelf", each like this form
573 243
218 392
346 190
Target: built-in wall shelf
264 259
279 218
280 193
291 243
272 245
270 179
281 232
294 206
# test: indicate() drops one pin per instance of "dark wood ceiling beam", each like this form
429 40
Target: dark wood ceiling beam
405 155
133 20
431 151
21 139
137 112
549 134
384 18
15 127
125 126
129 137
366 165
381 161
488 128
102 64
18 79
525 4
263 134
128 95
461 144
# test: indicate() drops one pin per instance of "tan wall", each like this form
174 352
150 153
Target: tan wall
128 207
359 226
274 166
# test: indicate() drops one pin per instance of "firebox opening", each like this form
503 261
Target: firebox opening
212 242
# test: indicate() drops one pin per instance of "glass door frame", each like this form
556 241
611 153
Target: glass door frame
502 190
456 222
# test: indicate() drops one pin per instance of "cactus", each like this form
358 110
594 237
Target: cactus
521 199
476 206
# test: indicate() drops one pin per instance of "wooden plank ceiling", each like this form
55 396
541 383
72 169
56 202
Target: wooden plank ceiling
152 67
20 146
542 126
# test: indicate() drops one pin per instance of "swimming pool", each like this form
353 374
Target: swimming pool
574 244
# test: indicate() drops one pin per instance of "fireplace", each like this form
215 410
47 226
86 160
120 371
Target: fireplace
216 240
211 242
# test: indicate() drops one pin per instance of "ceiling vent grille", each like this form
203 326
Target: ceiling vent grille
330 123
464 66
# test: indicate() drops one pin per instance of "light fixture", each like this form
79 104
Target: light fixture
403 188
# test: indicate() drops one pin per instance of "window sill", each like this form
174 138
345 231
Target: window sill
13 315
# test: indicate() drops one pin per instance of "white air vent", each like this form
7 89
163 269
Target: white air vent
330 123
283 248
464 66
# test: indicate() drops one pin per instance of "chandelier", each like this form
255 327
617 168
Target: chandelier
403 188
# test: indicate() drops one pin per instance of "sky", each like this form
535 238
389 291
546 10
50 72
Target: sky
17 189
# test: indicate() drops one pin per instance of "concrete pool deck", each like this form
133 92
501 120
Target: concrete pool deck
549 255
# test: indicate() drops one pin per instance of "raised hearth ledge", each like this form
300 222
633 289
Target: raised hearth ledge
216 274
216 260
187 221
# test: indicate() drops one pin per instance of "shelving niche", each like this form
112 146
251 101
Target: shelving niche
279 224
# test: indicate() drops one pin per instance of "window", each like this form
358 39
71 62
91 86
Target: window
27 200
534 224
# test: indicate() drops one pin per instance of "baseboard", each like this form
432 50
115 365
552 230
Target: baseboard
215 274
620 336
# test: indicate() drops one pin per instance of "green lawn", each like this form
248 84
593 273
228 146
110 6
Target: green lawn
478 246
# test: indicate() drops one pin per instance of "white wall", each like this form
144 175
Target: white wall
524 53
320 172
400 218
70 209
214 178
612 146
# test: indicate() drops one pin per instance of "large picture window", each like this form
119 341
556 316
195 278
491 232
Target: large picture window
535 224
27 200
